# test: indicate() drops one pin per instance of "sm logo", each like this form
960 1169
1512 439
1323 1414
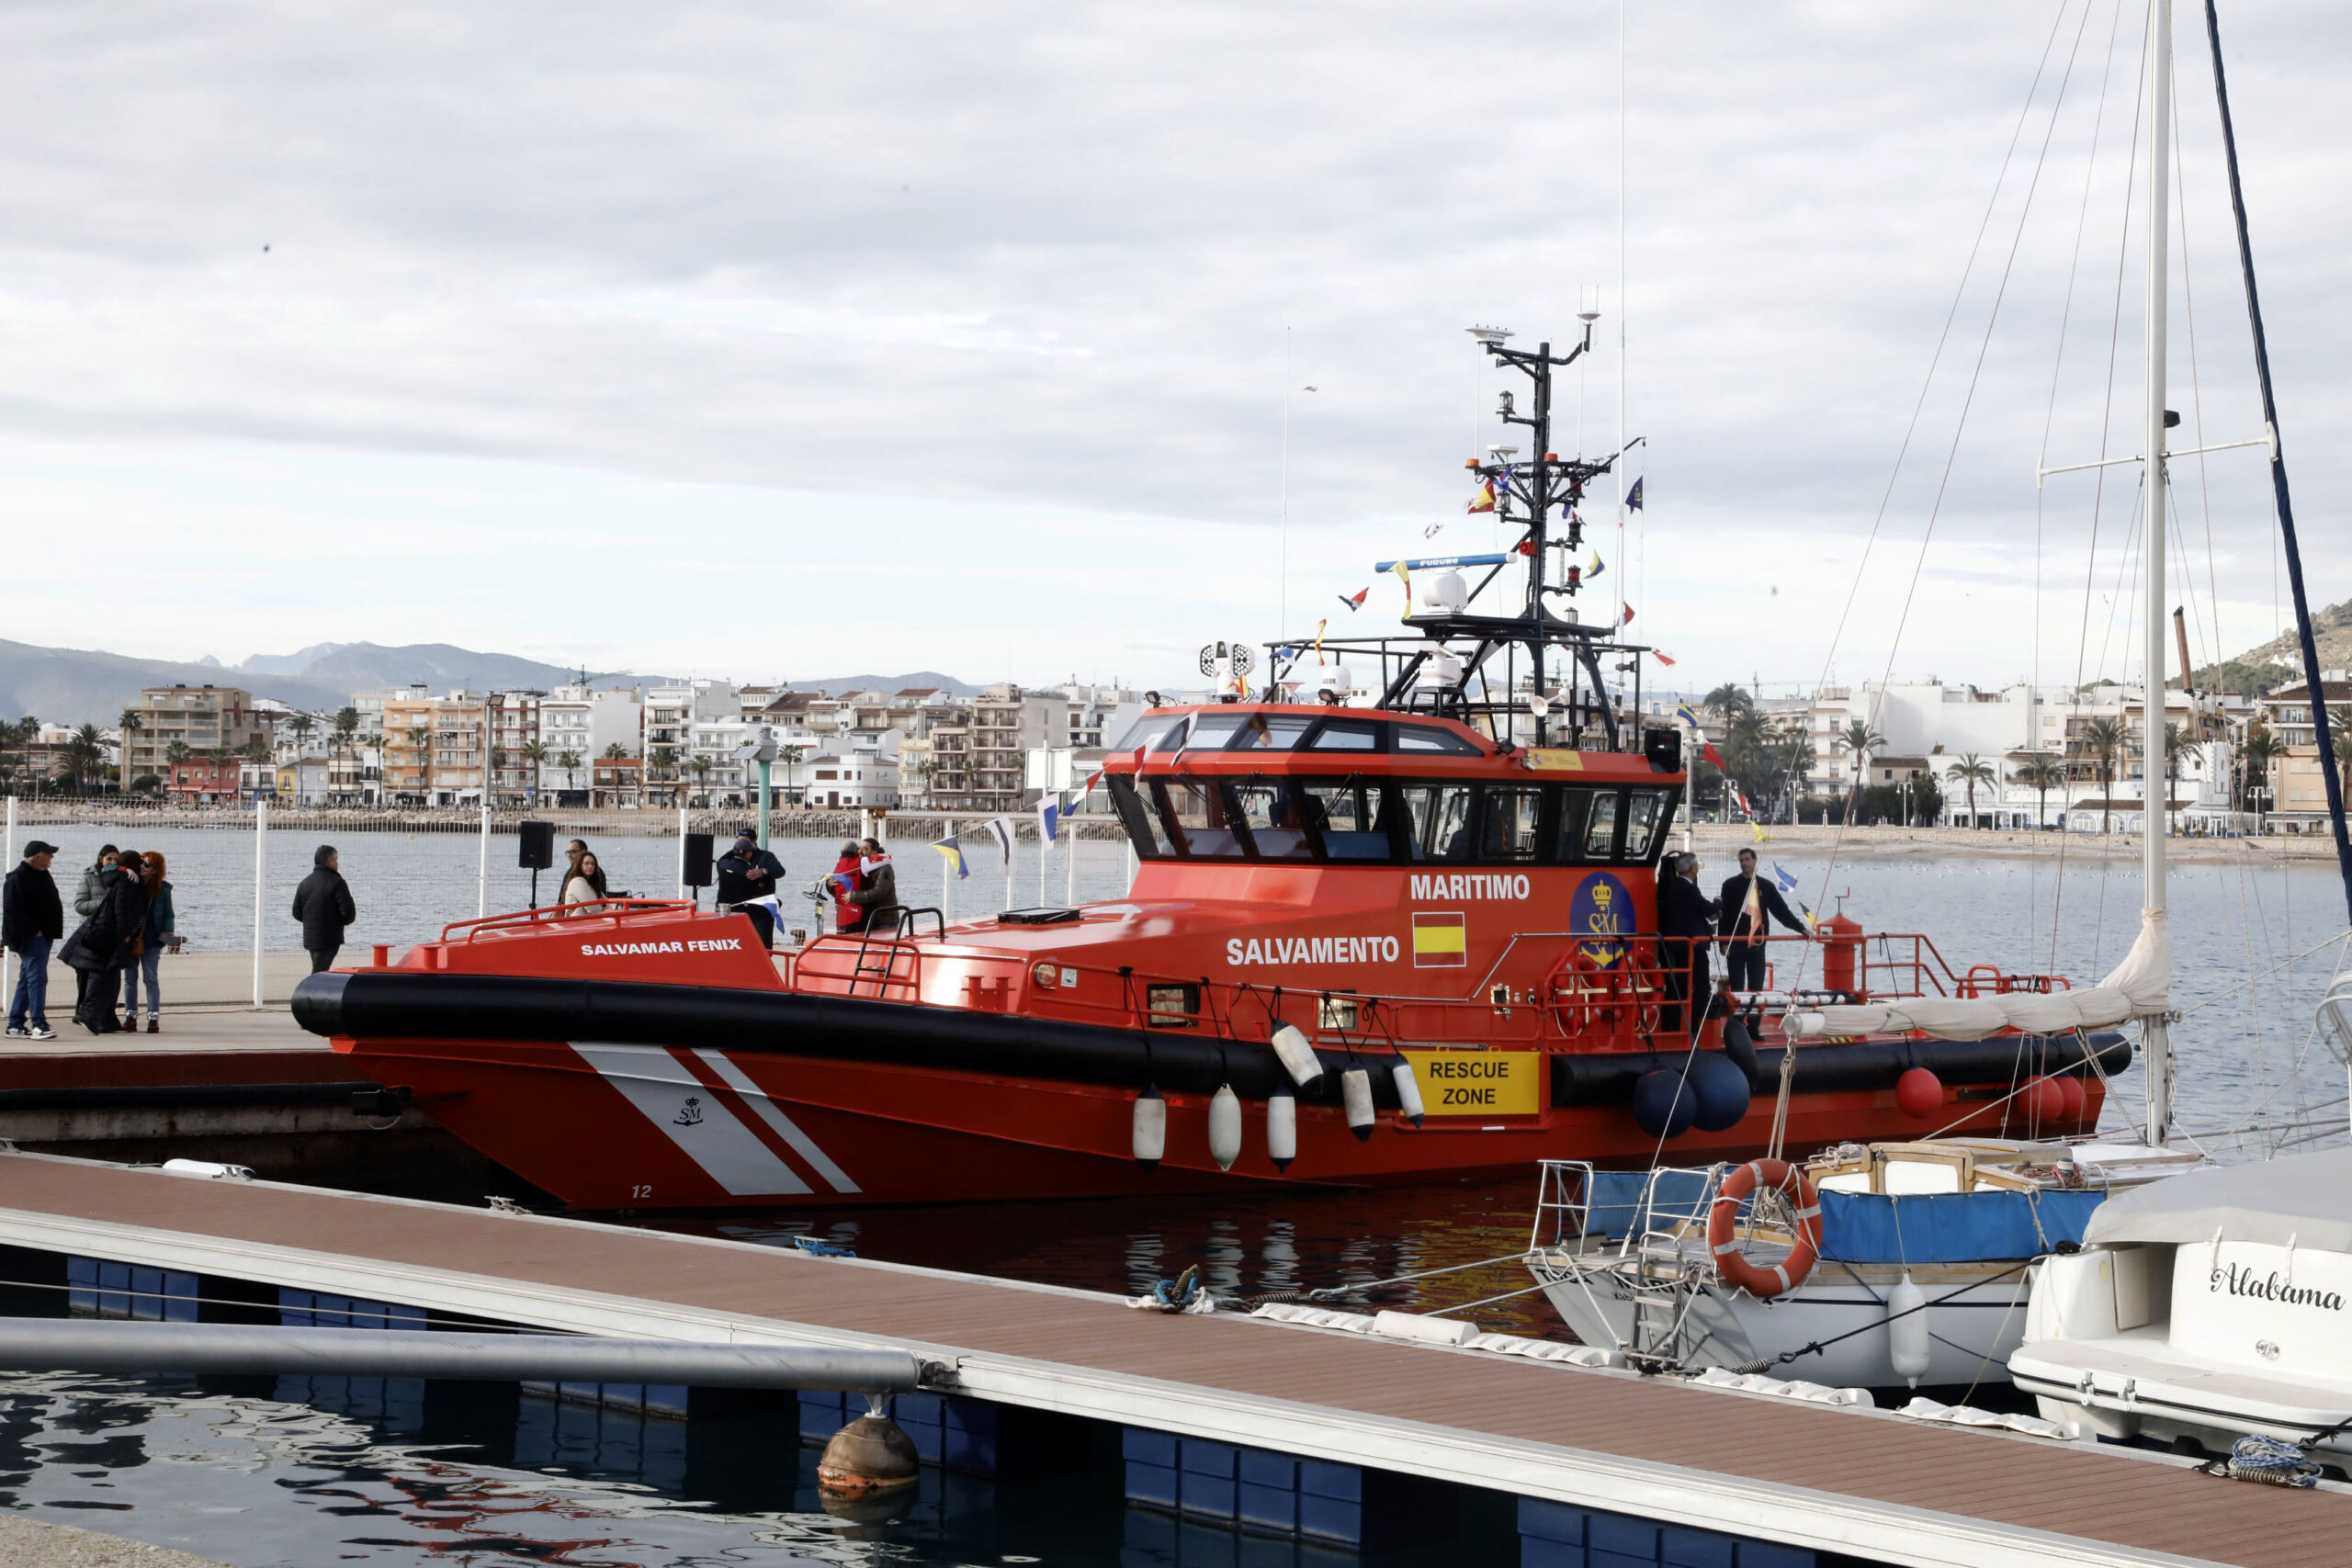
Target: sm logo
1601 916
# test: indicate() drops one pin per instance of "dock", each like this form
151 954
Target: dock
1746 1467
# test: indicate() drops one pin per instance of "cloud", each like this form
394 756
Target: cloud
980 265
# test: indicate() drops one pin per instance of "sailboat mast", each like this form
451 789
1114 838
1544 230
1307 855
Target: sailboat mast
2156 1039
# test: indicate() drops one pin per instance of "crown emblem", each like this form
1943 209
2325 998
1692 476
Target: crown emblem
1601 894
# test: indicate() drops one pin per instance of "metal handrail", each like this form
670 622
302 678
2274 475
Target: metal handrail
612 909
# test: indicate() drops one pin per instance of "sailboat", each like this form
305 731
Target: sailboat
1936 1261
2209 1311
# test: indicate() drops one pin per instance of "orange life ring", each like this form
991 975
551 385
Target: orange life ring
1735 1270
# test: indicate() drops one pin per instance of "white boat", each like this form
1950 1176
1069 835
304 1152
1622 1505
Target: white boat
1921 1278
2205 1308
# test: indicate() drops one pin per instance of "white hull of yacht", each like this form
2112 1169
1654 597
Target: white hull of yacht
1842 1308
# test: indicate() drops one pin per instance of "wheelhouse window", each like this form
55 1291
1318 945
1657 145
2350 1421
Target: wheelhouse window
1272 731
1349 815
1211 731
1429 737
1600 828
1195 810
1513 823
1646 815
1438 817
1346 735
1146 730
1140 815
1278 814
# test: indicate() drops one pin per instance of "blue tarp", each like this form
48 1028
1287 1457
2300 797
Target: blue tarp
1864 1227
1951 1227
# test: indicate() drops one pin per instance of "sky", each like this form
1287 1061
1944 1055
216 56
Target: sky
789 341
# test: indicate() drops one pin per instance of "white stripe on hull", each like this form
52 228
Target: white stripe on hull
783 1126
714 1138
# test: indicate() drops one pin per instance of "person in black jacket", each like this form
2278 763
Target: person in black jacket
323 906
32 917
1685 922
747 871
1747 910
113 936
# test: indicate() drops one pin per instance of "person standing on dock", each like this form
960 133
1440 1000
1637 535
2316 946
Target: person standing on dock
1686 922
1750 905
323 906
878 886
112 939
33 920
161 932
86 902
747 871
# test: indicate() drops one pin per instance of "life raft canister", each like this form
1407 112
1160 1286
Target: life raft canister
1731 1266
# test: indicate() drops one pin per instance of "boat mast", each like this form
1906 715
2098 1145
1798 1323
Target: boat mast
2328 762
2156 1036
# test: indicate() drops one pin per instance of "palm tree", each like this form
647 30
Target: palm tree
1728 699
1859 739
1972 770
2261 750
701 766
2040 775
86 756
131 726
2177 741
2104 737
535 754
569 763
791 755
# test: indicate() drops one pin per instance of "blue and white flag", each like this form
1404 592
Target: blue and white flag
1049 814
1002 828
1634 496
1786 878
955 853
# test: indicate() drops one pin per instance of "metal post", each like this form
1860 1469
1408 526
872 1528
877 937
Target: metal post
1069 864
682 889
481 869
764 766
2156 1045
946 886
261 888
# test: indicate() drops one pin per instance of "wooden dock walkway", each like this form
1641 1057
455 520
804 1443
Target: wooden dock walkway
1871 1483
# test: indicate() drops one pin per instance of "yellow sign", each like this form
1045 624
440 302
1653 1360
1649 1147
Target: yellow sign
1479 1083
1547 759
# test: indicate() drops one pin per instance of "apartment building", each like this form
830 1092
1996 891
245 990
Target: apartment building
580 724
617 782
670 715
514 719
436 748
2297 783
198 718
864 778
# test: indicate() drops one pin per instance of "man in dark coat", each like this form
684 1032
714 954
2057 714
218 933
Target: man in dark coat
1748 909
114 936
323 906
747 871
32 917
1685 922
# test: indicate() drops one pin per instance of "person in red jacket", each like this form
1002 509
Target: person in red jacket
845 880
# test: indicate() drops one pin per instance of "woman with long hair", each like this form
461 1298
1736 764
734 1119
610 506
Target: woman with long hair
585 884
156 937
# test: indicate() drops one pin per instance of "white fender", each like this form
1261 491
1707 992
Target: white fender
1282 1127
1355 1093
1409 1092
1298 1057
1225 1127
1906 1337
1151 1125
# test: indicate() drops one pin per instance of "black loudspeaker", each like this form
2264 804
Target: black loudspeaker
537 845
695 871
1664 748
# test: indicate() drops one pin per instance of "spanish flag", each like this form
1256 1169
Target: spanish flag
1440 940
1485 500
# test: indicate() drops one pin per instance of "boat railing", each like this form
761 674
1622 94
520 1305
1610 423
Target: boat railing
1563 1203
618 909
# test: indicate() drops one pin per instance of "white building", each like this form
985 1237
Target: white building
578 722
671 714
863 778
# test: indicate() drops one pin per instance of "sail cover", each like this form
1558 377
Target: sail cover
2137 987
2294 1200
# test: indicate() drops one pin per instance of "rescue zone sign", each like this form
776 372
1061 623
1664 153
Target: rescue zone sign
1479 1083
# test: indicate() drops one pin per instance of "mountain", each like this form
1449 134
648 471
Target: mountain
366 666
2259 669
74 685
289 663
837 685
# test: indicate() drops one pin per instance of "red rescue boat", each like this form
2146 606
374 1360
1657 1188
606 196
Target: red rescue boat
1403 940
